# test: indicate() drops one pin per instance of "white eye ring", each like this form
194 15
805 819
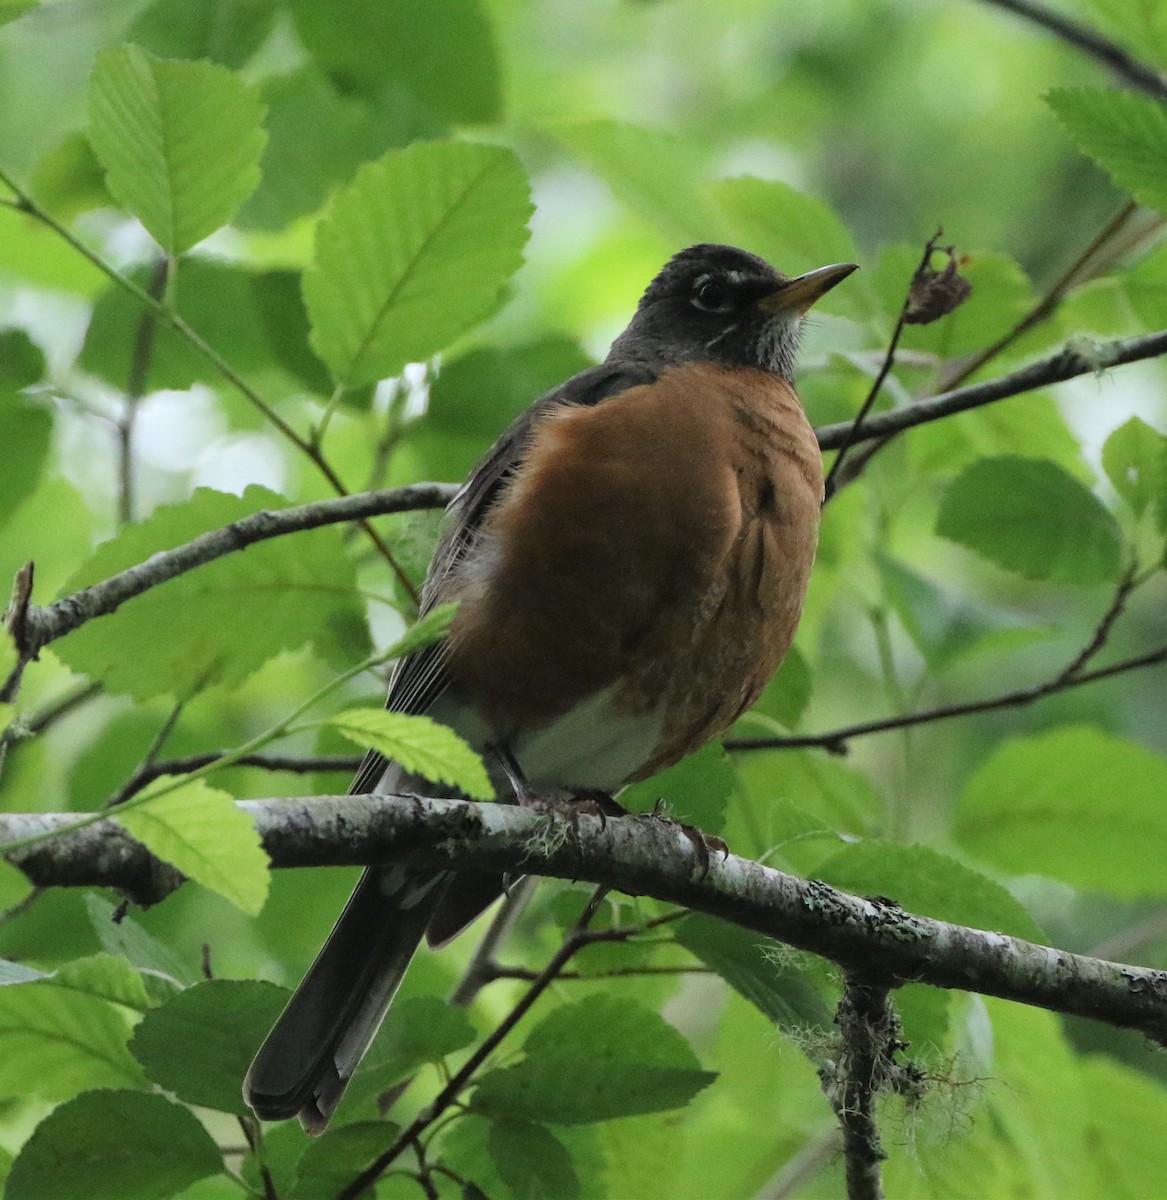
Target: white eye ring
711 295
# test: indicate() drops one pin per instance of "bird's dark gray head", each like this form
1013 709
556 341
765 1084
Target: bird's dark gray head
720 304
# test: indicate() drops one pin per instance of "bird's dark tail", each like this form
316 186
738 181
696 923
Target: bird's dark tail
307 1059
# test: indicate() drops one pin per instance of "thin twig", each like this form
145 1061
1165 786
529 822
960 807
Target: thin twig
1072 675
884 370
483 968
1109 53
1048 302
50 714
836 740
293 764
36 627
1071 361
139 377
578 937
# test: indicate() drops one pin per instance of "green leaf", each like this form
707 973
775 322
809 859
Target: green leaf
334 1160
60 1038
443 71
412 253
425 631
420 745
224 619
226 33
656 174
22 362
106 977
419 1030
199 1043
1125 133
696 790
316 140
255 319
26 430
532 1160
594 1060
1128 1119
122 936
922 880
1075 804
1030 516
760 969
1135 460
180 141
114 1145
199 830
945 624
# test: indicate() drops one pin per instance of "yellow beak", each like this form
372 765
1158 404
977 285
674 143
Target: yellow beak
797 295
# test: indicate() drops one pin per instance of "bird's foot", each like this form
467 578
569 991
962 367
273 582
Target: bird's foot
704 844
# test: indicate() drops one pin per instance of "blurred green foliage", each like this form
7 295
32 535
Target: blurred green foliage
362 168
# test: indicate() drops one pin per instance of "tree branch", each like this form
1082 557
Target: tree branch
639 857
1068 363
36 627
1109 53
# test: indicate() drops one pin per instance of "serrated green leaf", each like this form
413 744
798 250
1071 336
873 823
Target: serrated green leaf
114 1145
1125 133
224 619
425 631
1075 804
59 1040
1135 460
696 790
199 1043
180 141
1030 516
334 1160
418 744
199 830
758 968
105 977
594 1060
532 1160
412 253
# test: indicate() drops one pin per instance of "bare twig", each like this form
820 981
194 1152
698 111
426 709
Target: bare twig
578 937
1111 55
1070 362
836 740
140 359
1074 674
293 764
39 626
884 370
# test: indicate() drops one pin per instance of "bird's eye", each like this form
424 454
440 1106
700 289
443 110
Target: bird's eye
712 295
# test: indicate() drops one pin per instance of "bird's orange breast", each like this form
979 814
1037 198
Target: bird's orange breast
656 546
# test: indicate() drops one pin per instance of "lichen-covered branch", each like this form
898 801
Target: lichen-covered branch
871 938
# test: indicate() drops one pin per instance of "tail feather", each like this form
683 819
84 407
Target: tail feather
306 1061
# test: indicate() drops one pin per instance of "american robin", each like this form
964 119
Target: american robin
630 559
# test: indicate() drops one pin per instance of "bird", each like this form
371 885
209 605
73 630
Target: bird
630 561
